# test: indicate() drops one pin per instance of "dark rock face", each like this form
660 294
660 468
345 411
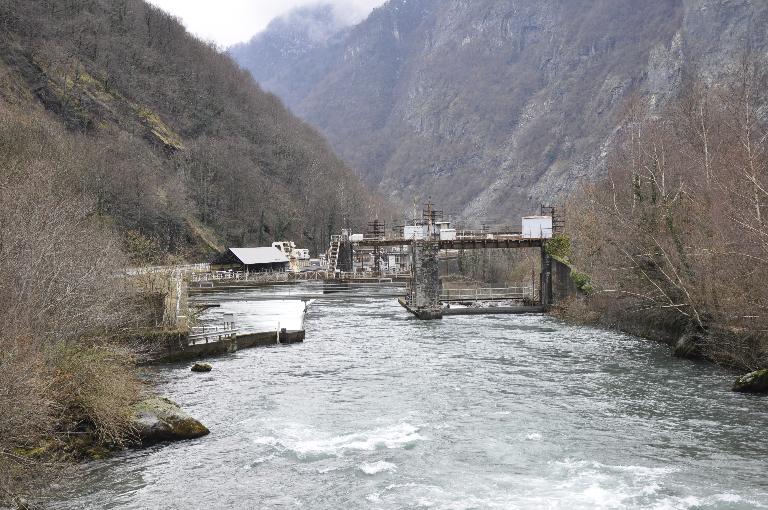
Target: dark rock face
753 382
492 107
689 346
158 419
201 367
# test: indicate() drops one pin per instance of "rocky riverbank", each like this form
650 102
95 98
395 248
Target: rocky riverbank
711 344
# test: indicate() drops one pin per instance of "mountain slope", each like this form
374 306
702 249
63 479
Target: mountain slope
286 43
182 150
493 107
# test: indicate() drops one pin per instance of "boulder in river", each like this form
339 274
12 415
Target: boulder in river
201 367
753 382
159 419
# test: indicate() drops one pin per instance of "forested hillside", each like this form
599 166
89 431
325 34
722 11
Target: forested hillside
492 107
181 150
125 141
675 238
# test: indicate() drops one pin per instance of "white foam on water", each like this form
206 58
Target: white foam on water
591 484
587 465
533 436
268 440
260 460
373 468
430 496
616 489
730 498
651 489
598 497
309 443
715 501
588 485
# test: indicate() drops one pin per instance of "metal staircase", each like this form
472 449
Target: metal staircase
333 254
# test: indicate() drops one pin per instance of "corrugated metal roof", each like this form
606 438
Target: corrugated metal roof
265 255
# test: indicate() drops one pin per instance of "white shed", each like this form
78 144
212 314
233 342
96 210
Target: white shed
536 227
417 232
447 234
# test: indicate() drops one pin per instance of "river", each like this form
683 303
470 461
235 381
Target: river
378 410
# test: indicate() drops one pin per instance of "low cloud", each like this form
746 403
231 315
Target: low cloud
353 11
227 22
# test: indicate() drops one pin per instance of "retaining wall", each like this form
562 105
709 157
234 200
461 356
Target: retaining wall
563 286
178 348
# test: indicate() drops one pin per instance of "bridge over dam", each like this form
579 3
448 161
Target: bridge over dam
430 237
479 242
425 297
356 265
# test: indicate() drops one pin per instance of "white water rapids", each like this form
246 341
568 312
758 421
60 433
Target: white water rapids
378 410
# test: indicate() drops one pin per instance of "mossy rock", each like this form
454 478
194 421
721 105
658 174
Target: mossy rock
84 446
201 367
45 449
159 130
753 382
159 419
98 452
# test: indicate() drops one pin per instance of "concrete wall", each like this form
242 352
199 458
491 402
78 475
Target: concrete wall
178 348
269 338
563 285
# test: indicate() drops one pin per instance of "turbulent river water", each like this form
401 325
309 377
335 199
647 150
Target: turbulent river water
378 410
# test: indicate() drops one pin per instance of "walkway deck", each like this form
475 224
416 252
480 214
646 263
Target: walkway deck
477 243
495 310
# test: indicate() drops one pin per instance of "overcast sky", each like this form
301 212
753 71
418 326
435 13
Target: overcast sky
227 22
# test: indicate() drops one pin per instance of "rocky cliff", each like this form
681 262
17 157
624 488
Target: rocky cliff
492 107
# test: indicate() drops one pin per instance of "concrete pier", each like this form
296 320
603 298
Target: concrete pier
424 299
545 288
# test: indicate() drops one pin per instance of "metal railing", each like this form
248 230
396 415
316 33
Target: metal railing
212 333
286 276
488 294
244 276
372 275
186 268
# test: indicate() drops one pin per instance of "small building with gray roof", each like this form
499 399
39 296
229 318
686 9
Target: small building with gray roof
258 259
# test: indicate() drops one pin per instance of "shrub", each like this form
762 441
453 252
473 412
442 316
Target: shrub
96 386
559 247
583 281
677 229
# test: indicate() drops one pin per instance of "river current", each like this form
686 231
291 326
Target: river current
379 410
